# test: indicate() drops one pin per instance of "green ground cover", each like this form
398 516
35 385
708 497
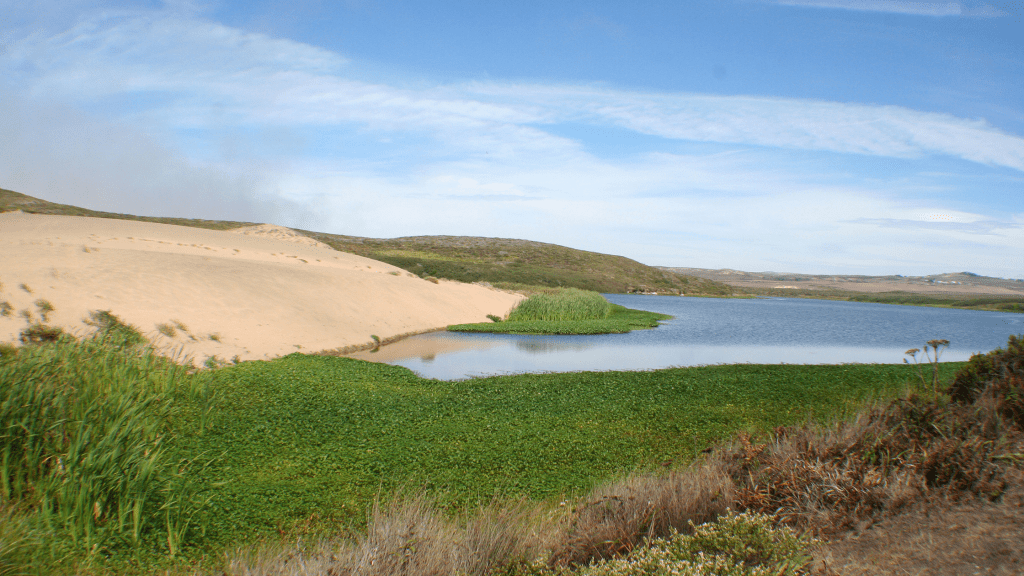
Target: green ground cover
307 441
303 444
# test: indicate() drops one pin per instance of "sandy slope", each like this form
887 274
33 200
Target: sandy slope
263 291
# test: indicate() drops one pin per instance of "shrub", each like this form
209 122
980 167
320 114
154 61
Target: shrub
735 545
6 308
997 377
971 380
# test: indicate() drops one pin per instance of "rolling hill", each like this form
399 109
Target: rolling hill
502 262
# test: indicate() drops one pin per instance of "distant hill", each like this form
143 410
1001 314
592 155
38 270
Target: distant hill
499 261
10 200
508 261
951 282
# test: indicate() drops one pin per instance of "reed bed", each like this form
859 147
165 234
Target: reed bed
567 305
87 450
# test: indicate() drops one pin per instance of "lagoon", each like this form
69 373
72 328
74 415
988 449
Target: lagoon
714 331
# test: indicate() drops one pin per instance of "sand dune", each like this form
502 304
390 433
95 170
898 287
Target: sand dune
258 292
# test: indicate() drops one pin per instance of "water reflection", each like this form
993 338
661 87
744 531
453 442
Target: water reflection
714 331
541 346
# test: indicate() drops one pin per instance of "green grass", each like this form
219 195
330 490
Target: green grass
305 443
87 449
619 321
568 311
567 305
308 441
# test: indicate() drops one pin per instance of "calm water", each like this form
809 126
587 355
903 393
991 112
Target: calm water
715 331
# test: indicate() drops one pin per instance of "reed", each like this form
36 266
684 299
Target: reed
563 306
87 447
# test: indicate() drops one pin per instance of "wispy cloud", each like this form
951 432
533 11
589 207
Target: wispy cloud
919 7
197 74
494 162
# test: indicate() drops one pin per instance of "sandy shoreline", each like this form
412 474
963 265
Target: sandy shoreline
260 293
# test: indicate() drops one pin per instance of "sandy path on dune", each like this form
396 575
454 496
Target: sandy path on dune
259 293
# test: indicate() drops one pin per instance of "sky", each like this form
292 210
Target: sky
814 136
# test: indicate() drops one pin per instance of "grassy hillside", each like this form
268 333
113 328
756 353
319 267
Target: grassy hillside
500 261
10 200
508 262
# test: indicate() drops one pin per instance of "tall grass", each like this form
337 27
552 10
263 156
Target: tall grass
563 306
87 448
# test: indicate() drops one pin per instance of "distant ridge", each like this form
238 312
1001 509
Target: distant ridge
503 262
950 282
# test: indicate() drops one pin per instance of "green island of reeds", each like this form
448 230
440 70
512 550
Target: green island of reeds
567 311
117 461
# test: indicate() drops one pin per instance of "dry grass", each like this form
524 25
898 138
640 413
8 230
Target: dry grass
974 536
617 517
410 536
912 450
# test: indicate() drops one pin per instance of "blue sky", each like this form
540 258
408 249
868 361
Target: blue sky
820 136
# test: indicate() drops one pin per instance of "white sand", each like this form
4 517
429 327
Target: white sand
261 292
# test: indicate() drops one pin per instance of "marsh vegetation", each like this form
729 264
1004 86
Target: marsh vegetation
116 460
566 311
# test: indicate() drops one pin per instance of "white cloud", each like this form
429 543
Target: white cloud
493 164
191 73
919 8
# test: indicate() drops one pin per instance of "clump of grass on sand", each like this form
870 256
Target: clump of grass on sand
45 309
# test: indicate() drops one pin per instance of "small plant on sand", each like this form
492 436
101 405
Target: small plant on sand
431 279
112 330
215 337
181 326
45 309
26 314
166 330
5 308
40 334
933 359
25 287
494 318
